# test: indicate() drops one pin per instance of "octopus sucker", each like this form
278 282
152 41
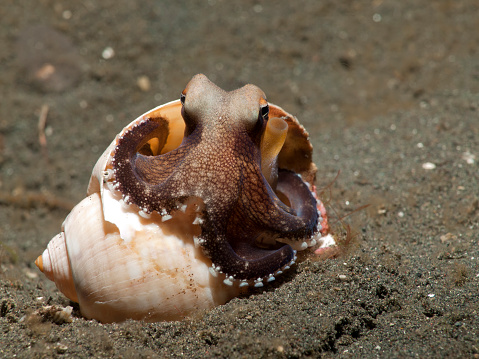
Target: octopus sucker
191 203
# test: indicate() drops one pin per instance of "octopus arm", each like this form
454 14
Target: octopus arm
247 247
245 261
296 221
144 179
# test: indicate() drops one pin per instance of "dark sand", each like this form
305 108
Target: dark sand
383 87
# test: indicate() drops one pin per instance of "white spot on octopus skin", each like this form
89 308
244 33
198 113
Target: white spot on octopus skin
258 283
213 272
166 217
229 281
198 220
143 213
198 241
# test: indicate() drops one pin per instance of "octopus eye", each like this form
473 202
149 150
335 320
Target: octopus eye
182 98
264 111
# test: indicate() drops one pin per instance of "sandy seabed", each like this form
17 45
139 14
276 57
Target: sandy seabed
389 92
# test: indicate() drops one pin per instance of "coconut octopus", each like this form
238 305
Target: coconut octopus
225 191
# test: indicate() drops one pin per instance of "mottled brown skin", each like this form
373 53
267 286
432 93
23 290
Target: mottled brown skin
219 162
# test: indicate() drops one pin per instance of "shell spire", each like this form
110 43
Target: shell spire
54 264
